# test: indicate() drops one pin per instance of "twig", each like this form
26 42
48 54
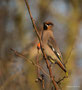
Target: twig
14 76
37 62
43 84
40 77
33 22
43 81
36 31
61 80
22 56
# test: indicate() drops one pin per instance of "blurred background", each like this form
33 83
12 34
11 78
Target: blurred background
16 32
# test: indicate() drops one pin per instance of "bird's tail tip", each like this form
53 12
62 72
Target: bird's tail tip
66 74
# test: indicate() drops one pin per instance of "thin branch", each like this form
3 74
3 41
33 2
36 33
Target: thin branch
17 73
33 22
61 80
22 56
44 55
40 77
37 62
43 81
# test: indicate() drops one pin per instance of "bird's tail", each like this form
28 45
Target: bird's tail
62 66
60 63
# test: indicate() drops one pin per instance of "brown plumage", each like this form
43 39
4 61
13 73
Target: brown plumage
50 46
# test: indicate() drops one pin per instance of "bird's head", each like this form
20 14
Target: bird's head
47 25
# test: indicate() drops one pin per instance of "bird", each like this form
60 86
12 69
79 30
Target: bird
50 46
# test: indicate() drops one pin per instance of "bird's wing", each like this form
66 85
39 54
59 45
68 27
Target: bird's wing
53 45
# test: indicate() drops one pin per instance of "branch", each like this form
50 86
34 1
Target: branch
22 56
37 62
17 73
40 77
33 22
61 80
44 55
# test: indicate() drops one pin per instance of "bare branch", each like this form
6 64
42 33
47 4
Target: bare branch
37 62
61 79
44 55
17 73
33 22
22 56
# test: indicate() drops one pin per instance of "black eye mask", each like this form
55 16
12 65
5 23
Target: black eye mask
45 27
